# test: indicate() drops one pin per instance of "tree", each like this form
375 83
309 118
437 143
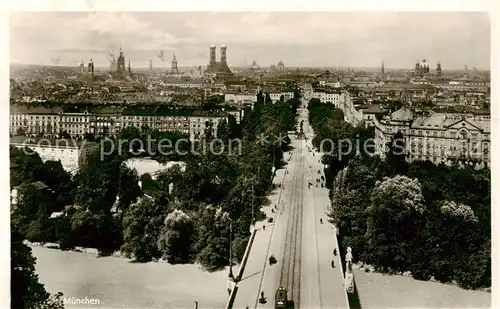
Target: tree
147 182
89 137
393 105
96 185
53 175
65 135
176 237
128 187
142 224
209 130
29 165
268 99
20 132
223 131
26 290
32 211
212 238
95 230
396 153
125 138
234 127
393 218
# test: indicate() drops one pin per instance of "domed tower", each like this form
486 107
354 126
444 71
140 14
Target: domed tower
280 66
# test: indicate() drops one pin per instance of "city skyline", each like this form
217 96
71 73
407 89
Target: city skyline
308 39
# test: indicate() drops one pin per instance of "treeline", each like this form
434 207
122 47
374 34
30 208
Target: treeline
346 141
433 221
182 216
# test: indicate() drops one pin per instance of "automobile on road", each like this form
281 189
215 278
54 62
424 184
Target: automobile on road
281 298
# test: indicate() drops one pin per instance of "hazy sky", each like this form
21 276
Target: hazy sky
306 39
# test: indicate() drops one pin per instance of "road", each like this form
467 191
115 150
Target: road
330 281
301 244
303 248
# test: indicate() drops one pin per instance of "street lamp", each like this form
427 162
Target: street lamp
231 276
253 218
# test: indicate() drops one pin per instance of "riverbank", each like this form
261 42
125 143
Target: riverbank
118 283
376 290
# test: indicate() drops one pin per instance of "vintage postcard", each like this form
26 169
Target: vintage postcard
328 159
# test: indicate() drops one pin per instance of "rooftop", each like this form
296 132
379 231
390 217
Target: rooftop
374 109
441 120
39 110
402 114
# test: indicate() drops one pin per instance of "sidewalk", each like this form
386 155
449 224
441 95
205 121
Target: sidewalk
250 284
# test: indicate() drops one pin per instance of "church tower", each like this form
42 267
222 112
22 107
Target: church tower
175 69
82 67
382 69
121 63
91 66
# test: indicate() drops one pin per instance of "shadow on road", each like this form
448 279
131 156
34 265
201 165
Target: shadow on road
250 276
354 302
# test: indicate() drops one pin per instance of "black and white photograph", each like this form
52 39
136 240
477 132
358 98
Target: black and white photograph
250 159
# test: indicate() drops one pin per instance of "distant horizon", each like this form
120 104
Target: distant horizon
331 68
299 39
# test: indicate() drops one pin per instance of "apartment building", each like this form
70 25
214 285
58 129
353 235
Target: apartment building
276 96
72 154
105 121
200 121
237 112
179 83
335 83
34 121
326 96
157 118
439 137
239 98
370 113
74 120
457 85
109 120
